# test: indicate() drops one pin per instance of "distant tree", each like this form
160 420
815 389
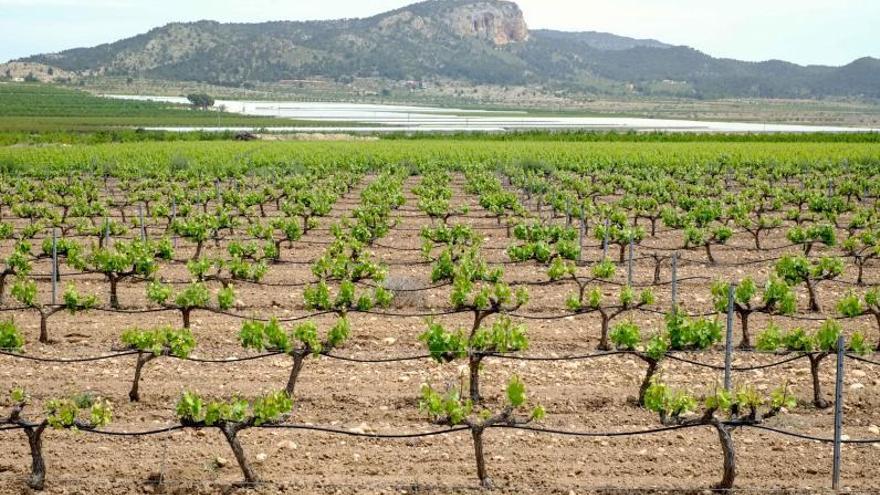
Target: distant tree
129 80
200 100
51 71
30 78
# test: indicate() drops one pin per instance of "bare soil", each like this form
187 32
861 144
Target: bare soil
589 395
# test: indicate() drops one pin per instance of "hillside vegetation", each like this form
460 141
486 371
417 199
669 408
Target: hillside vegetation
478 41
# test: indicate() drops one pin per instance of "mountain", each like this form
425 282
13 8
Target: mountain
476 41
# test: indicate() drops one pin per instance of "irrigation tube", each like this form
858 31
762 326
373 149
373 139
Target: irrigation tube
604 434
456 429
339 431
738 368
67 360
513 356
863 441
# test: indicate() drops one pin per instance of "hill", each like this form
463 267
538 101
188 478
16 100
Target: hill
477 41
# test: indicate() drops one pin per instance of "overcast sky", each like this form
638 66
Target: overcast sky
832 32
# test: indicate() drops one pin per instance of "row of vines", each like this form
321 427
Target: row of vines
234 225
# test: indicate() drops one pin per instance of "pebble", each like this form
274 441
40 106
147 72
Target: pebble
361 429
857 386
261 457
221 462
874 429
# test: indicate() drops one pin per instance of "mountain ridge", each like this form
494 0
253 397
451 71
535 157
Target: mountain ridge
475 41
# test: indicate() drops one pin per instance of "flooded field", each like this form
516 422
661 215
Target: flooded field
394 118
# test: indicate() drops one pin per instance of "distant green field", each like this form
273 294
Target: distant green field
34 107
138 159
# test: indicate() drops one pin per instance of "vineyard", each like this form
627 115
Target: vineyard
438 316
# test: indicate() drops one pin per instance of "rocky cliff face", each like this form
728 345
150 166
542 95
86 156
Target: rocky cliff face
497 22
500 23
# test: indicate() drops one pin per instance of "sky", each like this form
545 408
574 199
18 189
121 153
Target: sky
828 32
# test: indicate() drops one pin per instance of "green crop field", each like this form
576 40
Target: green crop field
34 107
211 157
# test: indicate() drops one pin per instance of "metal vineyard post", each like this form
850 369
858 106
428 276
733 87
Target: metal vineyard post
728 343
674 280
838 413
629 268
143 226
54 265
